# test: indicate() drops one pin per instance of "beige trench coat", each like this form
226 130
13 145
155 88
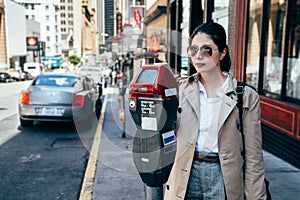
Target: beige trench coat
229 143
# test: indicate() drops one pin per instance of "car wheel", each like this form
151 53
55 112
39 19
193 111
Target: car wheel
26 123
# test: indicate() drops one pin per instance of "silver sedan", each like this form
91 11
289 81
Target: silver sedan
58 97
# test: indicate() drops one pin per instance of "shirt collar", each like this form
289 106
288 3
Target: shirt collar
223 88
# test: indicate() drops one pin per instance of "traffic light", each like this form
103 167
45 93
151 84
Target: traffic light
32 43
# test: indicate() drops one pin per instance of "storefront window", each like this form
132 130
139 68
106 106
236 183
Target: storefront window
185 37
220 14
293 62
253 47
273 58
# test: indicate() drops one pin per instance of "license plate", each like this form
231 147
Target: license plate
49 111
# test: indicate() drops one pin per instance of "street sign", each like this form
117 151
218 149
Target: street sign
32 43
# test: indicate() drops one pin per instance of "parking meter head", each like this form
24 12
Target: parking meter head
153 98
154 81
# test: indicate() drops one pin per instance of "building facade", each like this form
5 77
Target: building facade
89 29
68 16
156 23
16 34
47 13
264 44
33 29
3 50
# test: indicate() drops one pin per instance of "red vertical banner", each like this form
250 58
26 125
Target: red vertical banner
119 26
137 17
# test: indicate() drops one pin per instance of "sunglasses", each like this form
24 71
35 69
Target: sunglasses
205 50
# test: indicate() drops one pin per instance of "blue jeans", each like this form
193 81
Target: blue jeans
205 182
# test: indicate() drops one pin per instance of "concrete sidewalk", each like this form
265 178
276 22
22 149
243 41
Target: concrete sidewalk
111 173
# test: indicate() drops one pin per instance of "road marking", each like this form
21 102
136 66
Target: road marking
87 187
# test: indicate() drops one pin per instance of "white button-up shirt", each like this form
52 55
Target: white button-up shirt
210 108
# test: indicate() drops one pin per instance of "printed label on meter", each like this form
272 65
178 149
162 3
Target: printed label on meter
148 107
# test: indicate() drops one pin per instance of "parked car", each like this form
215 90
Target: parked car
58 97
94 73
5 77
91 72
34 68
16 74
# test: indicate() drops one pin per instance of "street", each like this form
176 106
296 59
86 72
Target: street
46 161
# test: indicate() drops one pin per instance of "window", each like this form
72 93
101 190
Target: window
47 17
293 60
273 57
253 50
47 7
273 49
48 28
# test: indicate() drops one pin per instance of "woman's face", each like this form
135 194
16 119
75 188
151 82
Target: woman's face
204 53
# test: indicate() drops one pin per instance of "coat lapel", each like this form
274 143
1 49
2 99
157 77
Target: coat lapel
228 105
192 96
229 102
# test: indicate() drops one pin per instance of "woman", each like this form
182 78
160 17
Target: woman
209 162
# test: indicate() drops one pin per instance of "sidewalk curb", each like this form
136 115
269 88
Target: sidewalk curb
87 187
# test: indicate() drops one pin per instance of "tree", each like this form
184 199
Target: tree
74 59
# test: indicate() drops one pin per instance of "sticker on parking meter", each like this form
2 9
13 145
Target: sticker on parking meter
149 123
169 137
148 107
170 92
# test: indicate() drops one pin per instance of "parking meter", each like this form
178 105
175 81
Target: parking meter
122 84
153 105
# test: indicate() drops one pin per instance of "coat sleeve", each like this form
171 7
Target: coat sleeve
254 162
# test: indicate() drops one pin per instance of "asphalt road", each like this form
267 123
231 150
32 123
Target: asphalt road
46 161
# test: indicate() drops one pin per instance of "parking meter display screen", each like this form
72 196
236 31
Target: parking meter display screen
147 77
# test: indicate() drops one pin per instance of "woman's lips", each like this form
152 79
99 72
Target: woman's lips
199 64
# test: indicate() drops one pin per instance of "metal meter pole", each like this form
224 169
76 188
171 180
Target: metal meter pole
123 101
154 193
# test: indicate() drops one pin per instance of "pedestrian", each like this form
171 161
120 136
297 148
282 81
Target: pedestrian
209 162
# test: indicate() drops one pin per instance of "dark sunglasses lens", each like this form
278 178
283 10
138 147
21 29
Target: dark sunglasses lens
192 50
206 50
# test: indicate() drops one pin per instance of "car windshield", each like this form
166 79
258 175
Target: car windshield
62 81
